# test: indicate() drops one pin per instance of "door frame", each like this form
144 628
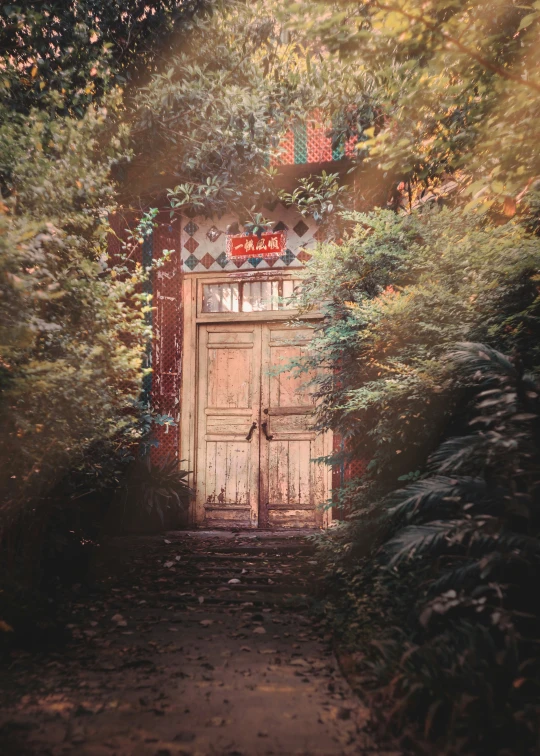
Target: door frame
193 317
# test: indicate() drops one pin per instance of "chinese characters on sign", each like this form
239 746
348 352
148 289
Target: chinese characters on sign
268 245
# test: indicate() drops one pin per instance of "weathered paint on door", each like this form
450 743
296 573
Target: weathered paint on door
255 446
292 485
229 404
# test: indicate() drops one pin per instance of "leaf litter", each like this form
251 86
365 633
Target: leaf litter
149 683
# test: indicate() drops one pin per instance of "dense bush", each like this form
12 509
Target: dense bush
468 532
432 582
62 304
72 319
397 293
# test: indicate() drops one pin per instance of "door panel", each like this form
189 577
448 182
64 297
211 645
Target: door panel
292 485
289 481
281 346
229 402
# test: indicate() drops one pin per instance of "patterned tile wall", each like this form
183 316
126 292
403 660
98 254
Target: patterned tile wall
204 242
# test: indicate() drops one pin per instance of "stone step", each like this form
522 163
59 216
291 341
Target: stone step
260 550
239 557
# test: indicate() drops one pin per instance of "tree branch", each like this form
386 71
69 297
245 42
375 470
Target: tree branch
460 46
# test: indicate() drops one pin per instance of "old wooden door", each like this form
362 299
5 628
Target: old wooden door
228 428
255 447
292 484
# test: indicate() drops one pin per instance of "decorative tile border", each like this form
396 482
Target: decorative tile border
204 242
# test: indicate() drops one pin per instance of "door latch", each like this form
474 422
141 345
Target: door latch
269 436
251 430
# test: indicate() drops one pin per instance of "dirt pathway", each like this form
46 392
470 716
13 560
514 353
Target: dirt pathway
192 643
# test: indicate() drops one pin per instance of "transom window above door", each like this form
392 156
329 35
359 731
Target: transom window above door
250 296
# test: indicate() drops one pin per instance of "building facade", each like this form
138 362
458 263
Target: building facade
222 336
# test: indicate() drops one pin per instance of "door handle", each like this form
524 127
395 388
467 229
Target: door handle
269 436
251 430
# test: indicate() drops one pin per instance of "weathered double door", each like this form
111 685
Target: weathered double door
255 448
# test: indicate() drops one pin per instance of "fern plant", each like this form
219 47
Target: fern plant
484 482
467 667
153 495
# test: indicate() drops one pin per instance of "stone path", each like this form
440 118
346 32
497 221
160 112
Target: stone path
197 643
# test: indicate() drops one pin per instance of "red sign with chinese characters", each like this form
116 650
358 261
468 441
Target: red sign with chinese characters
270 244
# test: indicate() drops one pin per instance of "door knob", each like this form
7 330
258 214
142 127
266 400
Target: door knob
269 436
251 430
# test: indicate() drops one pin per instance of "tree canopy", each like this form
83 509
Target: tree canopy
79 49
211 121
448 88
